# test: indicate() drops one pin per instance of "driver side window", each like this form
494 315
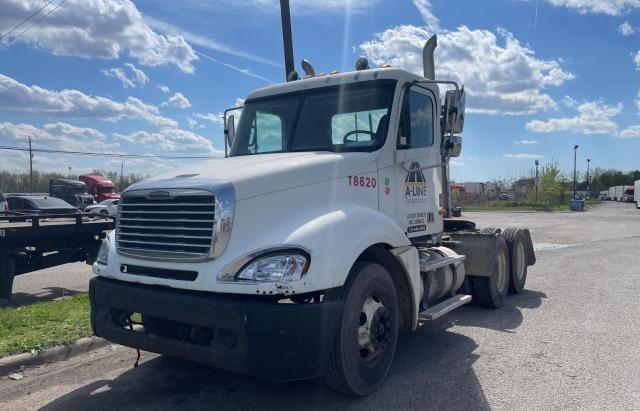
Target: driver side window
266 133
416 121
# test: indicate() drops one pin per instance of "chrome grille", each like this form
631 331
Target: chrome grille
166 224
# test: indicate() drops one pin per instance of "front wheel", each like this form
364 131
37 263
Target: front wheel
365 345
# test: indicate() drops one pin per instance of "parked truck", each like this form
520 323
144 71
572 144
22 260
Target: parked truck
628 194
636 193
321 235
73 192
100 187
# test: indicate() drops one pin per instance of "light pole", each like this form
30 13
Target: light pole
588 182
69 172
575 175
537 162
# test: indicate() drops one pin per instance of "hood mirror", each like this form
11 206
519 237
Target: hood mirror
230 130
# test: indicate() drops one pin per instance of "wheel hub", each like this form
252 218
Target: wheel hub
374 330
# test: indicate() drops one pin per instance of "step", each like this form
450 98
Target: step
444 307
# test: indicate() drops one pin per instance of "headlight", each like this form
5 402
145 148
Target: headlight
275 268
103 252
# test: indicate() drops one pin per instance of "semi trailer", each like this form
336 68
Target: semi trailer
322 233
636 193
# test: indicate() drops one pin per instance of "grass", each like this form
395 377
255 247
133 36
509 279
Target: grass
44 325
512 206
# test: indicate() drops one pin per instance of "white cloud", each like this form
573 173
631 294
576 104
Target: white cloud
638 101
568 101
177 100
527 142
430 19
500 75
593 117
138 77
245 71
214 118
59 135
636 60
313 6
523 156
98 29
164 89
610 7
626 29
171 139
205 42
630 132
192 123
16 97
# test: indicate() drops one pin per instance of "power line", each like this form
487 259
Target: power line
97 154
27 19
37 21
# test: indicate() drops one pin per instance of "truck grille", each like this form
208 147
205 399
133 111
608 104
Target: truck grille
166 224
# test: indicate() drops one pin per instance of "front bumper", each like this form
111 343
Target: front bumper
247 334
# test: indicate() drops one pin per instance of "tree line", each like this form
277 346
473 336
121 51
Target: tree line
21 182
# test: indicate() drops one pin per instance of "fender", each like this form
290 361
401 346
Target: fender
336 239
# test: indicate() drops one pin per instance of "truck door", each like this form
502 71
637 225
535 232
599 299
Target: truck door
417 171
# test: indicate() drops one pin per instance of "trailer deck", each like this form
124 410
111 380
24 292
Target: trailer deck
34 242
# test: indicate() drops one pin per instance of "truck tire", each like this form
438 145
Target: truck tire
490 230
491 291
517 245
365 344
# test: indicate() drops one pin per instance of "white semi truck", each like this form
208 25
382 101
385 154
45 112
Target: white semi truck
320 235
636 193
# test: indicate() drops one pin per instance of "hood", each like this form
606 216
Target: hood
256 175
110 196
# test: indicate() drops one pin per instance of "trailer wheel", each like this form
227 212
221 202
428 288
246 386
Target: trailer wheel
517 244
490 230
365 345
491 291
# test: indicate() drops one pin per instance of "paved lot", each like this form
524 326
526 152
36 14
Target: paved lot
571 341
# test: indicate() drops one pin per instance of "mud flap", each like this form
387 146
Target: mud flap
7 273
480 250
531 254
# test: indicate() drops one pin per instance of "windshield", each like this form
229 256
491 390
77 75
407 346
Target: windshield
106 190
352 117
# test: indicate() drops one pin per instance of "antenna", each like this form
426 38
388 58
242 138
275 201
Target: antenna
308 68
285 15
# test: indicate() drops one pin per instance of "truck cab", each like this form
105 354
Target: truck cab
100 187
73 192
318 236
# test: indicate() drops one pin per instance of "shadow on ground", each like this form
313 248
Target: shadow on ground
49 294
435 358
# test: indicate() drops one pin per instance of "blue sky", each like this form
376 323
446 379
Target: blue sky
152 77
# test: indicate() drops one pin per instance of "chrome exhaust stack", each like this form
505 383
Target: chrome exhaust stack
428 64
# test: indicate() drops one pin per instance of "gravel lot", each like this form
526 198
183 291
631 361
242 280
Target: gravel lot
571 341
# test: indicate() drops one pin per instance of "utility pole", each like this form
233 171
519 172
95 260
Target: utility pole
30 164
575 174
588 182
121 175
537 179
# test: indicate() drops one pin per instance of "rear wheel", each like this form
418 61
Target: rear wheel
491 291
516 243
365 345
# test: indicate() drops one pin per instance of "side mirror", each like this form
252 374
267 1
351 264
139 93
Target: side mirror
454 107
456 146
230 130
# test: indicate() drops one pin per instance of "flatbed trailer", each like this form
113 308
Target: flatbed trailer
34 242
